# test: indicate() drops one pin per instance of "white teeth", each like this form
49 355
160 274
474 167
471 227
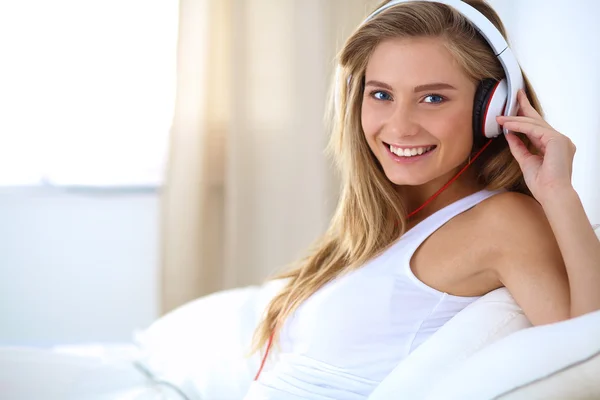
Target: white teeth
409 152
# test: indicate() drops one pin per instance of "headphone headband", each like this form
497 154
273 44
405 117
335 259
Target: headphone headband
492 35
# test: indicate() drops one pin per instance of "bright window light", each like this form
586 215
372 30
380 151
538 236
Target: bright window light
87 91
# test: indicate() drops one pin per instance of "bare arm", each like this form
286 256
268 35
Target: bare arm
580 249
550 259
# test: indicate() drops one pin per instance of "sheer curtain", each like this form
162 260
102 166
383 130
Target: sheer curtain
248 185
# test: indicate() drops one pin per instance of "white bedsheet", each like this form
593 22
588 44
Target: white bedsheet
81 372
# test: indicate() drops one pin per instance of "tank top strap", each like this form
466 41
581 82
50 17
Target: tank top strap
425 228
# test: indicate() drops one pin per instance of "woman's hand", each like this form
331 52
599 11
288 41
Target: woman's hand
549 170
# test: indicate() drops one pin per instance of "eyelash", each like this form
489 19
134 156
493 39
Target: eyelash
427 95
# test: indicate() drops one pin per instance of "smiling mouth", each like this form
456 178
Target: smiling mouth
409 151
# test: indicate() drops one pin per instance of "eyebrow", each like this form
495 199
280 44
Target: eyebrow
420 88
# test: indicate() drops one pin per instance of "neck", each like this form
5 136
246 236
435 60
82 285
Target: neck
416 196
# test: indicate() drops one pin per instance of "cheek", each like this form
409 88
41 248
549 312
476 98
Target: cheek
455 129
371 122
366 121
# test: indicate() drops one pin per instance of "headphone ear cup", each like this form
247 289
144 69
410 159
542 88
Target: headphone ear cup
490 100
482 96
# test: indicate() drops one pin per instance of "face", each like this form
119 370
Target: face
417 111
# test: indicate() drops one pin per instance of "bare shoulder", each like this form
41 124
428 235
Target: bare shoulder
527 258
514 220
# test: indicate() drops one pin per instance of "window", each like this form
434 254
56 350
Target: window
87 91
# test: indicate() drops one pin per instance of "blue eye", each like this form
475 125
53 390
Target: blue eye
436 98
379 95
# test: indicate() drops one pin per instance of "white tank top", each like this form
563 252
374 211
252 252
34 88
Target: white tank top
349 335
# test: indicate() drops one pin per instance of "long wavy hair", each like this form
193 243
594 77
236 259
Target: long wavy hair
371 214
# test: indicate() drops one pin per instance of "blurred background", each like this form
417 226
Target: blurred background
154 151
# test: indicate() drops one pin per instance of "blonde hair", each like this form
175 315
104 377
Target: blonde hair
371 214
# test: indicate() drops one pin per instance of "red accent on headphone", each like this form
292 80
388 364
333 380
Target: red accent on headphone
487 108
269 344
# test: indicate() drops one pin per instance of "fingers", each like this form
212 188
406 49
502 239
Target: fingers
525 106
535 133
532 130
530 123
502 119
539 135
524 158
517 147
526 113
539 146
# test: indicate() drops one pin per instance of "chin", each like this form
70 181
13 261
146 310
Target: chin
404 179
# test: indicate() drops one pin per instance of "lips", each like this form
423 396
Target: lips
393 151
409 151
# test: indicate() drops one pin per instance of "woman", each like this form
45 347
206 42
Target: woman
431 217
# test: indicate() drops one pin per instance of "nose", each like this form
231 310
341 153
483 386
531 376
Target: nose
401 121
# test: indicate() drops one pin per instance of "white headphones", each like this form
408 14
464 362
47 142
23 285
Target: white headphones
492 98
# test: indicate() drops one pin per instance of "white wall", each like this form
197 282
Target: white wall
76 267
557 43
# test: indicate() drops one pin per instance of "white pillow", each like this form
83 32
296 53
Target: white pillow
485 321
555 361
201 347
578 381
